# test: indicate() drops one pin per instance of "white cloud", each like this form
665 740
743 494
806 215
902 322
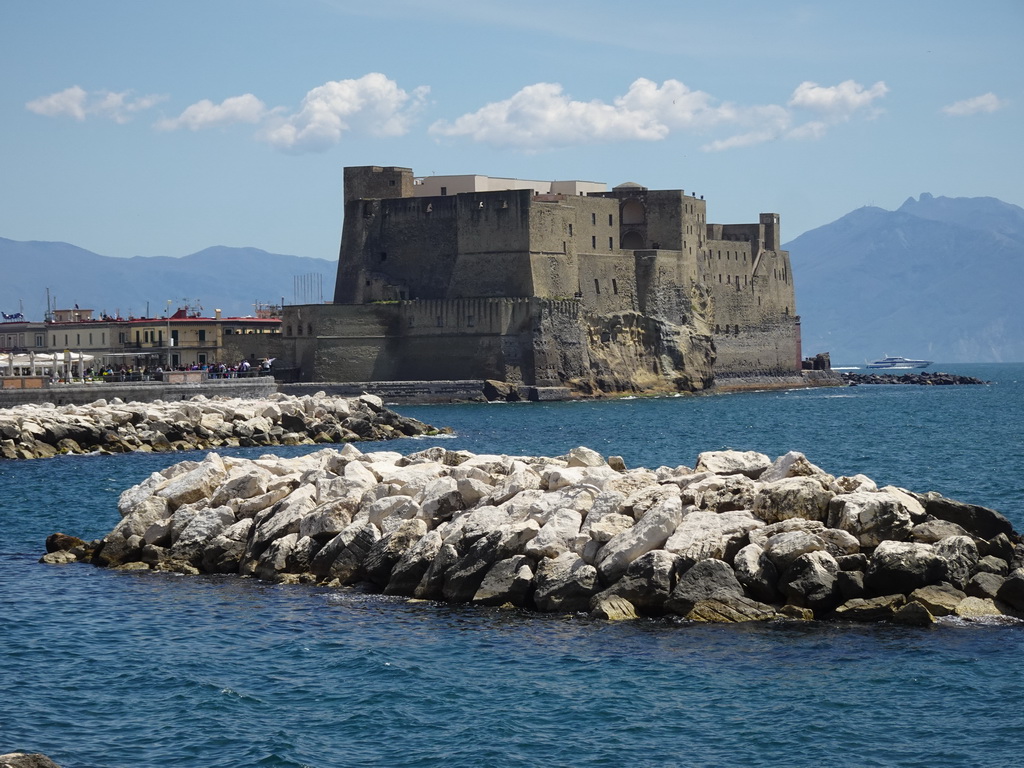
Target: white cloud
205 114
987 102
837 103
833 104
543 116
763 124
77 103
371 104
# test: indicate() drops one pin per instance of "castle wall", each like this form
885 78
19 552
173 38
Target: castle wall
493 232
755 326
413 341
395 249
664 284
608 282
770 348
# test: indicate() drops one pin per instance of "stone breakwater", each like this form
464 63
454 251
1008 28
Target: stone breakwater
738 538
923 379
43 430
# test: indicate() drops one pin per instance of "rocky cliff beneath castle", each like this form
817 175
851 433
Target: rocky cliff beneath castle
629 352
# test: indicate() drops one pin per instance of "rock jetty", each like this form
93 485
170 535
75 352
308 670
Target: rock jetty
26 760
44 429
925 378
738 538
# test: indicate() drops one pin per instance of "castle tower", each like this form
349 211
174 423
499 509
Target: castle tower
364 182
770 227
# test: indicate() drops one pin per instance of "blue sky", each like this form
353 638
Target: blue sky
161 128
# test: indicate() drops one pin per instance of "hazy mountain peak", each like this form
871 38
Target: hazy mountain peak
229 278
937 278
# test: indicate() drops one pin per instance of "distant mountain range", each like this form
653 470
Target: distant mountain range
229 279
939 278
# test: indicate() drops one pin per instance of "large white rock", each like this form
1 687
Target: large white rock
702 535
794 464
784 548
197 484
283 518
440 499
556 535
201 529
133 496
871 517
792 497
145 513
749 463
721 492
650 532
854 484
242 485
585 457
376 511
472 490
608 526
519 479
565 583
760 536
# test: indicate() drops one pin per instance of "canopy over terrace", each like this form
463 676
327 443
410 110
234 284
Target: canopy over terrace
42 363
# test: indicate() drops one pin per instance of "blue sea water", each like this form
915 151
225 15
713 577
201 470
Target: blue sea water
121 669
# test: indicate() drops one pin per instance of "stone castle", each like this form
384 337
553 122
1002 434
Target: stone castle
544 284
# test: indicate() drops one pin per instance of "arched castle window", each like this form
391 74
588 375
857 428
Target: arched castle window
632 241
633 212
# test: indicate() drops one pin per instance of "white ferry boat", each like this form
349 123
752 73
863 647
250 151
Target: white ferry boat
898 362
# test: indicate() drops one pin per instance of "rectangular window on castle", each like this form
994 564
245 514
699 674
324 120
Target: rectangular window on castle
615 286
597 286
570 230
444 191
611 243
593 218
611 221
593 242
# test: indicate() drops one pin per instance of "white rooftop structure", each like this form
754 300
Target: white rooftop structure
439 186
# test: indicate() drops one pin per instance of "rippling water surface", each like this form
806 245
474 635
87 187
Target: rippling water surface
124 669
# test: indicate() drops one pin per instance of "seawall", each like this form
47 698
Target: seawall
405 392
139 391
768 381
394 391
